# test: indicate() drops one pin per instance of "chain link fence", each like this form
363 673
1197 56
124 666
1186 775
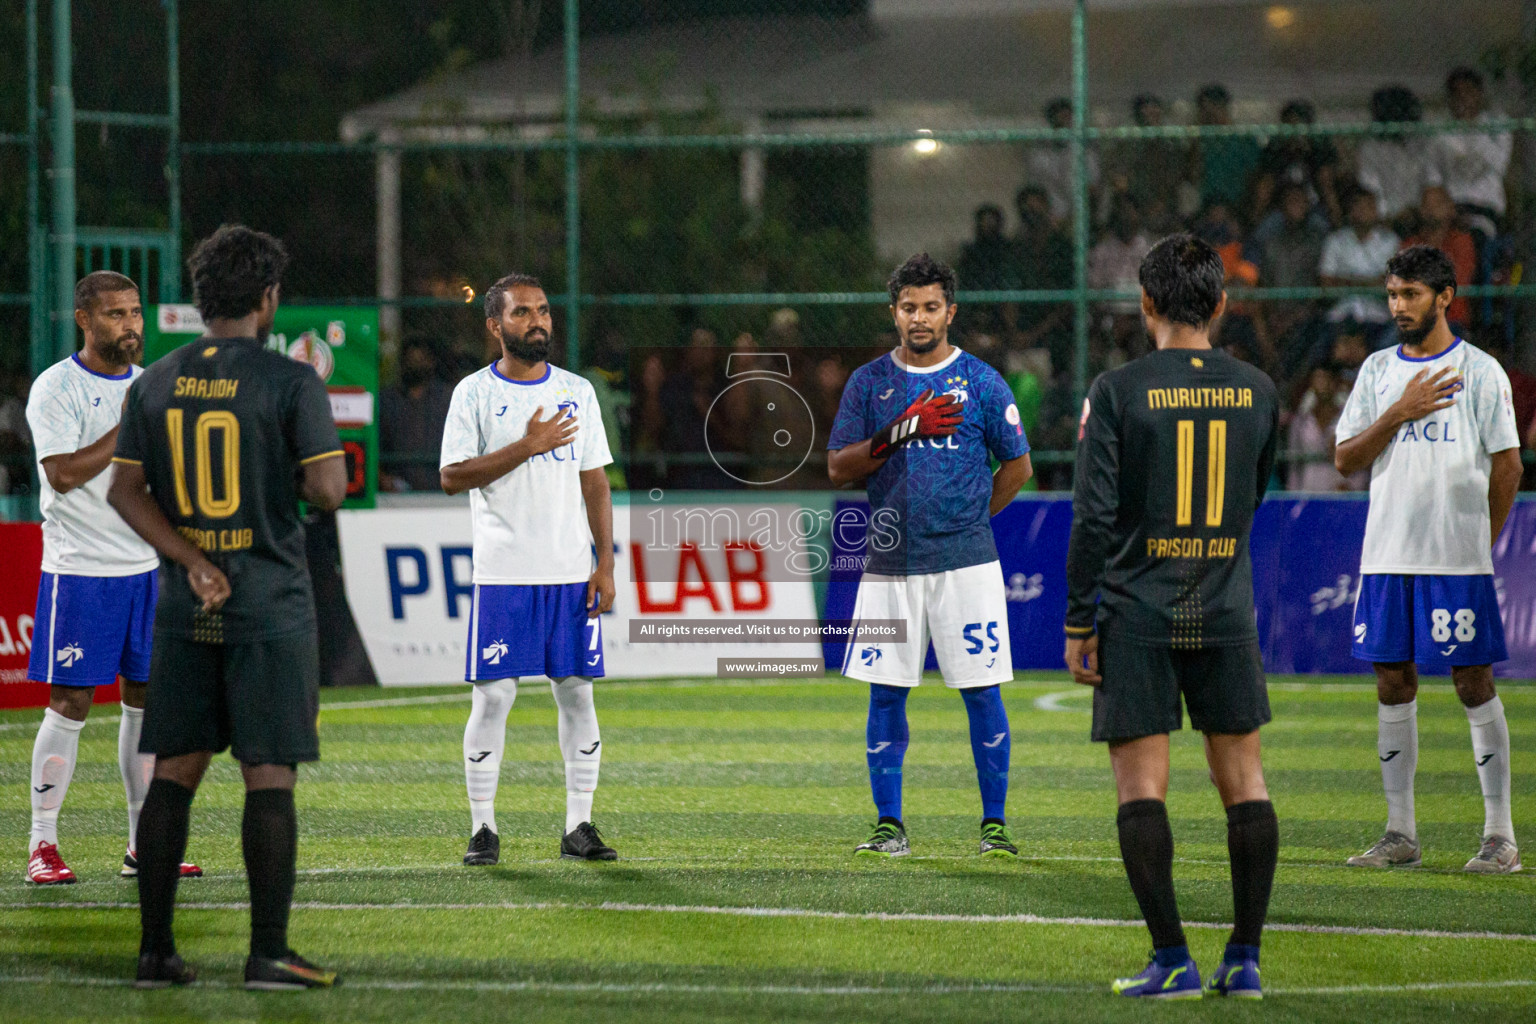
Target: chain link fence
738 179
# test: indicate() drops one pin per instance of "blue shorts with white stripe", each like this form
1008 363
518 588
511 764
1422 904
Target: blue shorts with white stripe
537 629
91 629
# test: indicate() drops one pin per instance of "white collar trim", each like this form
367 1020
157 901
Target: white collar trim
926 369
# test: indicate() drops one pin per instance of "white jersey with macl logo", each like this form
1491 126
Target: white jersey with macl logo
1429 489
70 407
530 526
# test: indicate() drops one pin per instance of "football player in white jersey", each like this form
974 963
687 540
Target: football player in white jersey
1434 420
526 440
96 601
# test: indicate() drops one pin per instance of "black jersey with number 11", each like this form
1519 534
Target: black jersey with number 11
1173 456
222 427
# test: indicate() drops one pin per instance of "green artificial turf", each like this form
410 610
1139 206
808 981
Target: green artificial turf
734 807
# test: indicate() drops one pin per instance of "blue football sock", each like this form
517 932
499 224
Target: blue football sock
1236 952
887 746
990 746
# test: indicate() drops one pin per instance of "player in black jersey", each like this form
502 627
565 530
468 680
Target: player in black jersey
1174 454
219 441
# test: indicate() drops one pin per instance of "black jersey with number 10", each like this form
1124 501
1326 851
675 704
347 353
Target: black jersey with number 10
222 427
1173 456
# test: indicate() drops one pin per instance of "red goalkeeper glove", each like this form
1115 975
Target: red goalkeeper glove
929 416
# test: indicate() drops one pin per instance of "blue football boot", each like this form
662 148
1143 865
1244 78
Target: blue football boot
1177 981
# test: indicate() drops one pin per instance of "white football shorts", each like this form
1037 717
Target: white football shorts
963 611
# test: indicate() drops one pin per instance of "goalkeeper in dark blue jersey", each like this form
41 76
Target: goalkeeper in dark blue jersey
919 427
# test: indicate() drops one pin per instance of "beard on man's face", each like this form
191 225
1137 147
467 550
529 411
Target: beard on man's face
922 342
532 347
123 349
1411 332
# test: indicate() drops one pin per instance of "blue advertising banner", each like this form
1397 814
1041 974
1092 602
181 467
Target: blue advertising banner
1306 574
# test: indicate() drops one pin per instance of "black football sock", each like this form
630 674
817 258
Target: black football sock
1253 843
162 843
269 838
1146 846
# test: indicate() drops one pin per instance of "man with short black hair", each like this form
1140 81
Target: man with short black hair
990 262
921 425
220 440
1393 166
1174 453
1303 160
1434 420
1356 255
1049 164
1471 163
96 599
540 510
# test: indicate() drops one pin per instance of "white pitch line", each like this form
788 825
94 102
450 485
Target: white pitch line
1052 701
665 988
534 690
712 862
1418 986
8 726
349 705
805 913
617 988
1045 703
528 693
394 869
398 702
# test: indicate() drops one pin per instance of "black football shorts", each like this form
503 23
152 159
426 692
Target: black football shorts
259 698
1223 687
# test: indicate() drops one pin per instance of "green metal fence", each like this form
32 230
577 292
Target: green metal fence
593 211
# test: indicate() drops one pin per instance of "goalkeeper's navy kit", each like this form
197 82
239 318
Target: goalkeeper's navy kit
929 502
932 565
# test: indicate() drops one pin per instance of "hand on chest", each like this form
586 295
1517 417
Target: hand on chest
1451 425
893 397
506 419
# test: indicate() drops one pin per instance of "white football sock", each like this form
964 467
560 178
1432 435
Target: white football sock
580 745
53 765
485 737
1397 744
1490 747
136 769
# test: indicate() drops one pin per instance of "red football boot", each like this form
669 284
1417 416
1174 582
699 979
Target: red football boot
46 867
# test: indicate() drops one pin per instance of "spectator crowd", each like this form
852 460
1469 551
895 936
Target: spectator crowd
1295 212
